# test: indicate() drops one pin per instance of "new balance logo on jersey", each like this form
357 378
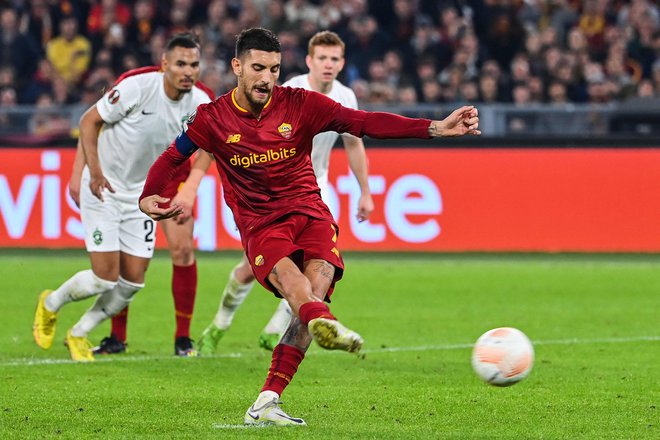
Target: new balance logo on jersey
233 138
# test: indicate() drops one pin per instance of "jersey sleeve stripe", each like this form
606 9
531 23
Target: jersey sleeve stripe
138 71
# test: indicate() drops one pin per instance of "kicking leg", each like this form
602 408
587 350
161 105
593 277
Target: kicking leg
304 293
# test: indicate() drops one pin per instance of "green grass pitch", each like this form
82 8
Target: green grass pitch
594 322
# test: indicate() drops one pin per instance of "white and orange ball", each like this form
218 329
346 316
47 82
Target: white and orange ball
503 356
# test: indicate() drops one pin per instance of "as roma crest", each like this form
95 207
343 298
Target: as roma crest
285 130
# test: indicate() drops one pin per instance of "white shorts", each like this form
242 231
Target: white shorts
116 224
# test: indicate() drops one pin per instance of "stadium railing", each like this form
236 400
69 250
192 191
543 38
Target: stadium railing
636 120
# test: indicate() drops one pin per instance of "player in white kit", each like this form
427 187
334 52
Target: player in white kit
325 60
121 136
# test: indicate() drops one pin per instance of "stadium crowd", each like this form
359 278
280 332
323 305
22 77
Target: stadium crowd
398 51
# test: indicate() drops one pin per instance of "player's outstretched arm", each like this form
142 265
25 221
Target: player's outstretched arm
462 121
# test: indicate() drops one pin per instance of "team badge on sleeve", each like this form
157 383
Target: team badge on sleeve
189 120
285 130
113 96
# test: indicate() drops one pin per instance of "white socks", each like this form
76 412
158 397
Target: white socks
106 306
280 319
80 286
232 298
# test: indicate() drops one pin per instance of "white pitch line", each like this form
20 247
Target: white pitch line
121 358
229 426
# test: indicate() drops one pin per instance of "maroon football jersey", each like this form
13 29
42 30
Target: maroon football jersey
265 163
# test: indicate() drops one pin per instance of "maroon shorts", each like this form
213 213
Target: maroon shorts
297 236
173 185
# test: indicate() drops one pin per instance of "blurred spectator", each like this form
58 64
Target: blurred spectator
447 50
42 82
521 95
38 22
179 19
381 93
47 120
645 89
156 48
599 90
393 63
293 57
7 77
426 45
361 89
377 72
520 70
364 43
298 11
106 12
451 27
489 89
226 46
330 15
536 89
592 23
211 77
10 122
69 53
141 29
557 93
505 35
469 92
431 91
16 50
403 23
534 50
407 94
276 19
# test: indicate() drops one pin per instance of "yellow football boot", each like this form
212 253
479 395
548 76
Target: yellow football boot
43 328
79 347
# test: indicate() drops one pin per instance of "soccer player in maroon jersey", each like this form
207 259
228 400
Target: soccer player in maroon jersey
261 137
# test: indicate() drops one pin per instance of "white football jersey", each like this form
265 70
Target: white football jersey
323 142
140 123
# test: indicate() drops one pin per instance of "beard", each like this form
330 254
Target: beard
256 102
